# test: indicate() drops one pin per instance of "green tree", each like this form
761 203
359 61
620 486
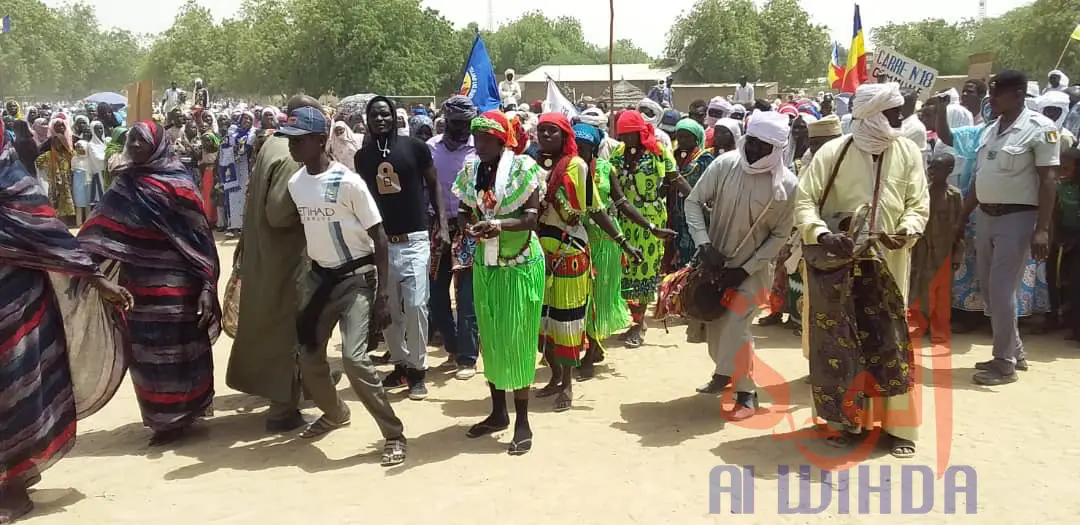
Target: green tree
939 44
625 53
798 50
721 39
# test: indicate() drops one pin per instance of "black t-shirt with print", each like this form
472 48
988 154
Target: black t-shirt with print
397 182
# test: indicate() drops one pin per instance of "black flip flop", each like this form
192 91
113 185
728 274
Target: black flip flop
520 448
484 428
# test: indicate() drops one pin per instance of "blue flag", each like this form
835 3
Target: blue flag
5 26
478 82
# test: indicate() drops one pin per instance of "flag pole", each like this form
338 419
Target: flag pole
1063 53
611 64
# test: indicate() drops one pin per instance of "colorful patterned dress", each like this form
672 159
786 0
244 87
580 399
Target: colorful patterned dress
607 307
508 271
1033 295
684 247
56 165
565 241
641 182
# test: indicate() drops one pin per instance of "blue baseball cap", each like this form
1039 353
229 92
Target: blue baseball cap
305 121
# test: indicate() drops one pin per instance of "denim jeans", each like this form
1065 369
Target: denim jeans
460 335
407 292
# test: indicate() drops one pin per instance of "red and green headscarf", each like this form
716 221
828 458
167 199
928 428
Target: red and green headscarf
496 124
559 120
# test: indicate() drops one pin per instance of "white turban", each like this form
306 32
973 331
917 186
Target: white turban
654 108
871 130
732 125
723 105
772 128
594 117
954 96
1055 99
1064 83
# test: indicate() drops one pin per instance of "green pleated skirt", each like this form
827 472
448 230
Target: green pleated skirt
508 302
608 311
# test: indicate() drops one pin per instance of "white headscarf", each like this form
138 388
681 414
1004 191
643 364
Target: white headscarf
594 117
723 105
870 130
343 148
914 129
732 125
771 128
1064 83
654 108
96 148
1055 99
404 115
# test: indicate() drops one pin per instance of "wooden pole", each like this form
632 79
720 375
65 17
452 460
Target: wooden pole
611 66
1056 66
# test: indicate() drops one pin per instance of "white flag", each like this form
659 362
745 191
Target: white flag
556 102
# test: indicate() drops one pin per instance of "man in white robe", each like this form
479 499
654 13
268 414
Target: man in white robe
902 211
751 196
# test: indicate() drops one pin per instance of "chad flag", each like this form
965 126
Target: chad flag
855 71
836 71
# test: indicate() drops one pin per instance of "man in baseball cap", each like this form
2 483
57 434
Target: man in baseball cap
348 249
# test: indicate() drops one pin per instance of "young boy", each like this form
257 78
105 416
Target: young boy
1064 264
348 250
938 252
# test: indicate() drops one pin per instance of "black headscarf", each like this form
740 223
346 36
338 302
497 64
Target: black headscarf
367 117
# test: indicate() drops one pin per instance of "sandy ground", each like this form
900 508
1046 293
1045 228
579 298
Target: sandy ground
638 447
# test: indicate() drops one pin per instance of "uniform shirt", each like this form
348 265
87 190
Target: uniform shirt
336 210
1005 169
397 182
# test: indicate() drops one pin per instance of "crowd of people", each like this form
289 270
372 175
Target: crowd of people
515 237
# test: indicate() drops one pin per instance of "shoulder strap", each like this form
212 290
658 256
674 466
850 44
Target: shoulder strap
835 170
754 224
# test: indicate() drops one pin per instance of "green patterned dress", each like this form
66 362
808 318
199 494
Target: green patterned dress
642 189
608 312
508 272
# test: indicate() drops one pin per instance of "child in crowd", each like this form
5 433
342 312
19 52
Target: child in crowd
1064 264
937 252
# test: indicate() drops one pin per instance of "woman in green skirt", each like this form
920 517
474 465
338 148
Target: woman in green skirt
500 199
608 312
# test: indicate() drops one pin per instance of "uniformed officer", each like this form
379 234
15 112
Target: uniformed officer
1014 195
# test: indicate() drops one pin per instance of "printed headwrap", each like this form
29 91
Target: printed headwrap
695 129
417 122
633 122
494 123
459 107
588 133
559 120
